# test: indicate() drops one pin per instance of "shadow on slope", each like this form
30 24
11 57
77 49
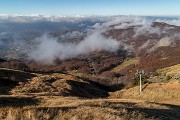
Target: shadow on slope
103 84
86 90
6 85
10 78
17 101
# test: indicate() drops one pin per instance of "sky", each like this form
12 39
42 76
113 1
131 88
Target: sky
91 7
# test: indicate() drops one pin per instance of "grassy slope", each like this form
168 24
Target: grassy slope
173 70
168 92
66 108
157 101
126 63
155 92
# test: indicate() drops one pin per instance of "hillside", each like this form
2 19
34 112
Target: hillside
72 96
88 69
163 90
146 46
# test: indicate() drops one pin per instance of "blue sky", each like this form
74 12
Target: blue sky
91 7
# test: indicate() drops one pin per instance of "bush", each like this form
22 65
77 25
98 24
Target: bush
167 78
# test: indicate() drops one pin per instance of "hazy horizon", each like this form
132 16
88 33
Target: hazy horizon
92 7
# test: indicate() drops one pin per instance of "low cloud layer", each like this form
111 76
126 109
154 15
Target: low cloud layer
153 45
166 41
48 18
142 25
49 49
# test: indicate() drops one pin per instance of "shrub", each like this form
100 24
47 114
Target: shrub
167 78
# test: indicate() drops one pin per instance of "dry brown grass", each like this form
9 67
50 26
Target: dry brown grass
156 92
81 113
126 63
168 92
48 102
42 84
72 108
173 70
60 84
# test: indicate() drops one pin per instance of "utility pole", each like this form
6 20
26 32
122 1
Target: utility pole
140 88
140 79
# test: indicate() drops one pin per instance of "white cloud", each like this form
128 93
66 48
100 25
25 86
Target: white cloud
49 49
